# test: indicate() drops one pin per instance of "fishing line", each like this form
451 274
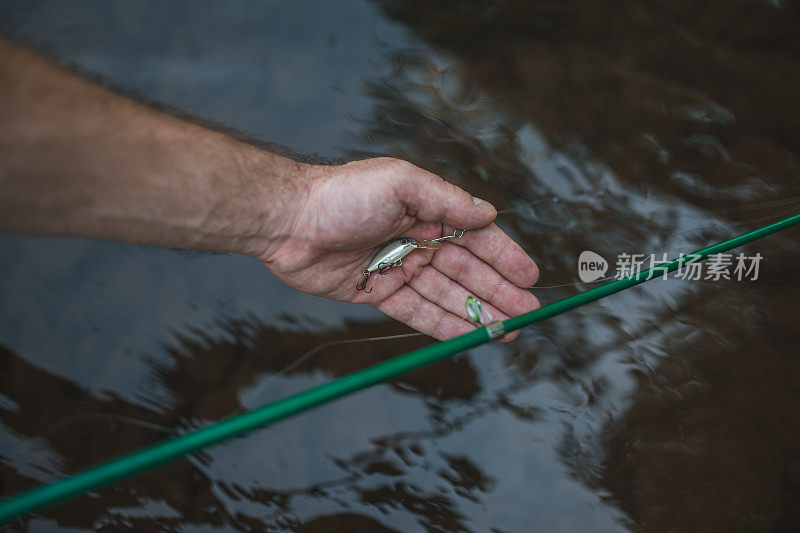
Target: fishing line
262 388
749 207
259 392
734 223
795 202
553 200
193 441
110 417
122 419
303 358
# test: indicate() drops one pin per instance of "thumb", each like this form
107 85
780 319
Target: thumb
432 199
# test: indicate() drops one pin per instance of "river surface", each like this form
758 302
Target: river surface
635 127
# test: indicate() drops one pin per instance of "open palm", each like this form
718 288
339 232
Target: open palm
347 212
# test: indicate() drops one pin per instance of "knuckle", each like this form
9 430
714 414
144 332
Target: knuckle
438 328
392 165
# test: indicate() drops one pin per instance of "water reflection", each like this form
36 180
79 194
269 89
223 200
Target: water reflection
710 440
637 141
73 429
612 128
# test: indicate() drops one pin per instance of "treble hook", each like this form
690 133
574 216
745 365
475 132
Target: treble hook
360 287
383 268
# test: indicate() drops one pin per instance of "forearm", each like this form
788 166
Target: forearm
76 159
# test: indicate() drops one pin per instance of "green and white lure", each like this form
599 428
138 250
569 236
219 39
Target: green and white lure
477 313
392 254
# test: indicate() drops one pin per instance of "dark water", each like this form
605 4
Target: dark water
604 126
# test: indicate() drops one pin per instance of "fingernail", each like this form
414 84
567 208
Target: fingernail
483 204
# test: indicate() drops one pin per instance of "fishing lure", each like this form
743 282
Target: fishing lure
392 255
482 318
477 313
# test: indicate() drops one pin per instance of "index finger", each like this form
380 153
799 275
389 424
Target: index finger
491 244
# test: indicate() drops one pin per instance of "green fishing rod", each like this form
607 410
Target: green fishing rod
188 443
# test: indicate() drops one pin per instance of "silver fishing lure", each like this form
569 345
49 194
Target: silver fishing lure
392 254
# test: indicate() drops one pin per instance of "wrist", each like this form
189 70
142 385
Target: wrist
257 201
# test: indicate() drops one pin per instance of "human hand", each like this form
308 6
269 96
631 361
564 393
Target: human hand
345 213
137 175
